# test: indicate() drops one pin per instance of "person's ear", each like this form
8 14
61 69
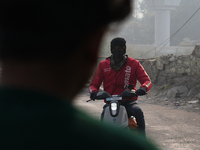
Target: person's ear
92 44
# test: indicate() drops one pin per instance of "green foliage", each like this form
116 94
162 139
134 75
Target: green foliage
143 28
140 30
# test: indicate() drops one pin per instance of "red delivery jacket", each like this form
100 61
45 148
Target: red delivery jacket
115 81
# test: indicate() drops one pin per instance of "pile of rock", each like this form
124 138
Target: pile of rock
176 79
175 97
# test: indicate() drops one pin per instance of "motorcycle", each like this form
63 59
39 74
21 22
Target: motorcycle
116 113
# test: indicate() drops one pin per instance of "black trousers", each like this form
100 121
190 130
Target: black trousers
132 110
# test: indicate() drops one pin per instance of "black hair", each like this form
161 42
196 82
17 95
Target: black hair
51 29
118 41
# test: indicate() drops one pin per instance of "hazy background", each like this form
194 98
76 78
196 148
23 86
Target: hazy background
138 30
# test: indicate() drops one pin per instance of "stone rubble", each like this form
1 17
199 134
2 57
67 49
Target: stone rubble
157 97
176 81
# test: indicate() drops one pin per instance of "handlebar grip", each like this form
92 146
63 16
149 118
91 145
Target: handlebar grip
130 87
128 93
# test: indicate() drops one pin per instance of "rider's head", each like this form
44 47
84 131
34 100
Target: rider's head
118 48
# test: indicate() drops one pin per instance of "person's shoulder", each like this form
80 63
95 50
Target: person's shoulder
105 61
132 60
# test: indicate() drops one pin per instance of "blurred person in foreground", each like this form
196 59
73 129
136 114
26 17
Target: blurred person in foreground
118 73
48 49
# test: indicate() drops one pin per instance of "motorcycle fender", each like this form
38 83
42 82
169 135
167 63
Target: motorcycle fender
120 120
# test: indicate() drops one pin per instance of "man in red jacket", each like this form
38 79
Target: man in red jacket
117 72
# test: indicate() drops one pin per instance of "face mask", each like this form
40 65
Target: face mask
118 54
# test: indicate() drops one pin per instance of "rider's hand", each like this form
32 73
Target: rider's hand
141 91
93 95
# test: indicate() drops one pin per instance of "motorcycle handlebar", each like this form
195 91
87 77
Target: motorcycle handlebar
124 94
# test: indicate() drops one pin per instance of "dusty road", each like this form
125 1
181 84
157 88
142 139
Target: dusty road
171 129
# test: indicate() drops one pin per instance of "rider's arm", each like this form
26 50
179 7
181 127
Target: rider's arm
143 77
97 80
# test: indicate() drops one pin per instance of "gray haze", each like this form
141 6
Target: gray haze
139 32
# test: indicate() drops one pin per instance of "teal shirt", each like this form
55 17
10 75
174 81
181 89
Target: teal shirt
34 120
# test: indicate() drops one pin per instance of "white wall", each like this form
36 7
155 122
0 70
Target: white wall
149 51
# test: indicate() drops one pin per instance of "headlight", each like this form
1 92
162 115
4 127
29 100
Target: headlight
114 108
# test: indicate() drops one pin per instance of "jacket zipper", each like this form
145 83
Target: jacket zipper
118 76
116 79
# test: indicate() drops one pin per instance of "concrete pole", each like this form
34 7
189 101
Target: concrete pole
162 27
162 10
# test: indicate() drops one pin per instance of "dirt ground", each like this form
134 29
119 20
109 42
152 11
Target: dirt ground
187 104
168 128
